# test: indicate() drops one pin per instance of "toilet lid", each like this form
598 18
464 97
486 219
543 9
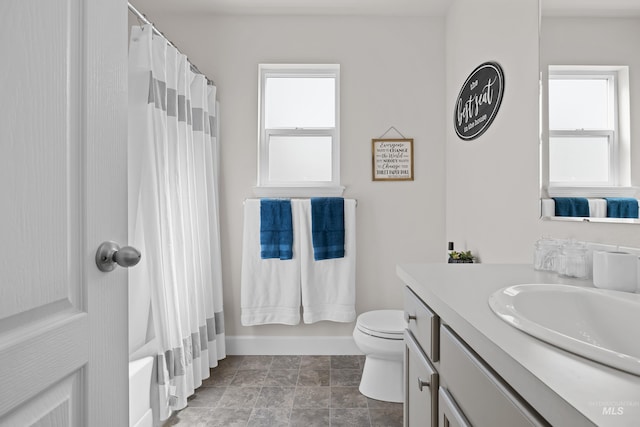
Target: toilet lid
383 323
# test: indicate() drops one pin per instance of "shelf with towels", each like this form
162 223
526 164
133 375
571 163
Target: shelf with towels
597 209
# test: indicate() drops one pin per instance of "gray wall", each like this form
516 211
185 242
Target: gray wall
392 74
492 181
404 72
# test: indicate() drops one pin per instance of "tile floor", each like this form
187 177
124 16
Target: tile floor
286 391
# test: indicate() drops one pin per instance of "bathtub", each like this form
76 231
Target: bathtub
140 414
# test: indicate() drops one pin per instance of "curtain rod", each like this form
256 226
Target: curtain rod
144 19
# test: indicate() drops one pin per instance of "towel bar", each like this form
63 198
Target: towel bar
252 198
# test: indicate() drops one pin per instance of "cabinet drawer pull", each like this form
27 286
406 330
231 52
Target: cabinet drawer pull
409 317
422 383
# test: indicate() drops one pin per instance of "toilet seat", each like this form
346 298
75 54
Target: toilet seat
385 324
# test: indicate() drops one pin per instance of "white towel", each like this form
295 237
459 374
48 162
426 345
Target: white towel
548 207
328 286
597 208
269 288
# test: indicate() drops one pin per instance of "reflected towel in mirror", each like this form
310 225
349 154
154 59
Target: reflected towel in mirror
571 206
622 207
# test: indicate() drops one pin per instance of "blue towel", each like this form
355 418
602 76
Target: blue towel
327 227
622 207
572 206
276 229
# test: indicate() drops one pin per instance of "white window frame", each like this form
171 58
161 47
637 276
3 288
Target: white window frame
265 187
611 133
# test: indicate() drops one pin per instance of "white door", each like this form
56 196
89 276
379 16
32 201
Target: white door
63 112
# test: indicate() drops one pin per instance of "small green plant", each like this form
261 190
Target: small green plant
463 256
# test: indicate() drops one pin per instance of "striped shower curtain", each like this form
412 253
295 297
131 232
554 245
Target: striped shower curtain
173 213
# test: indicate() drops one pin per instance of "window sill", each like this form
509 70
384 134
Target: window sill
565 191
298 191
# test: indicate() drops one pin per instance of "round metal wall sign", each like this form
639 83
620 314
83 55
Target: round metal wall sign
479 101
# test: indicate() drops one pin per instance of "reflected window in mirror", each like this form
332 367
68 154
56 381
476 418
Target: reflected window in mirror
584 107
582 136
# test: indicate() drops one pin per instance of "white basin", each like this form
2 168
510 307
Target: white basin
600 325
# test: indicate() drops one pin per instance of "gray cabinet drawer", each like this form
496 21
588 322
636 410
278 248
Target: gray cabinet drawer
483 397
449 414
423 323
421 386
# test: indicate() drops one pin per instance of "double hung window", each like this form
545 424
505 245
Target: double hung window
583 122
299 133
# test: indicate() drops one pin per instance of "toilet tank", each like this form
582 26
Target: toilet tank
140 414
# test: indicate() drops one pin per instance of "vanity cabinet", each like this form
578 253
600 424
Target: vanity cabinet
450 415
447 384
483 397
421 386
421 352
423 324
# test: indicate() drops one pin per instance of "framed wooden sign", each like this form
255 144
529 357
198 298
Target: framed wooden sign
392 159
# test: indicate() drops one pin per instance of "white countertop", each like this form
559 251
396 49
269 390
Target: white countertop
567 390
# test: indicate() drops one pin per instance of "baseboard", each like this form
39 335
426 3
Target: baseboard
294 345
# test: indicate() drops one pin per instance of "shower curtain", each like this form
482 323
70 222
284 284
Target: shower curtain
173 213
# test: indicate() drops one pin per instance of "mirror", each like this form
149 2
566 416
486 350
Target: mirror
576 39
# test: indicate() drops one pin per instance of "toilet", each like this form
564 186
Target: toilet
379 335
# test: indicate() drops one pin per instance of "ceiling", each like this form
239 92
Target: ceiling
369 7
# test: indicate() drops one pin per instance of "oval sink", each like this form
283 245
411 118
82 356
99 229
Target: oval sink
598 324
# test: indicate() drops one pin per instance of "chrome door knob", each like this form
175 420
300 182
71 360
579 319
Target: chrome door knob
109 254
